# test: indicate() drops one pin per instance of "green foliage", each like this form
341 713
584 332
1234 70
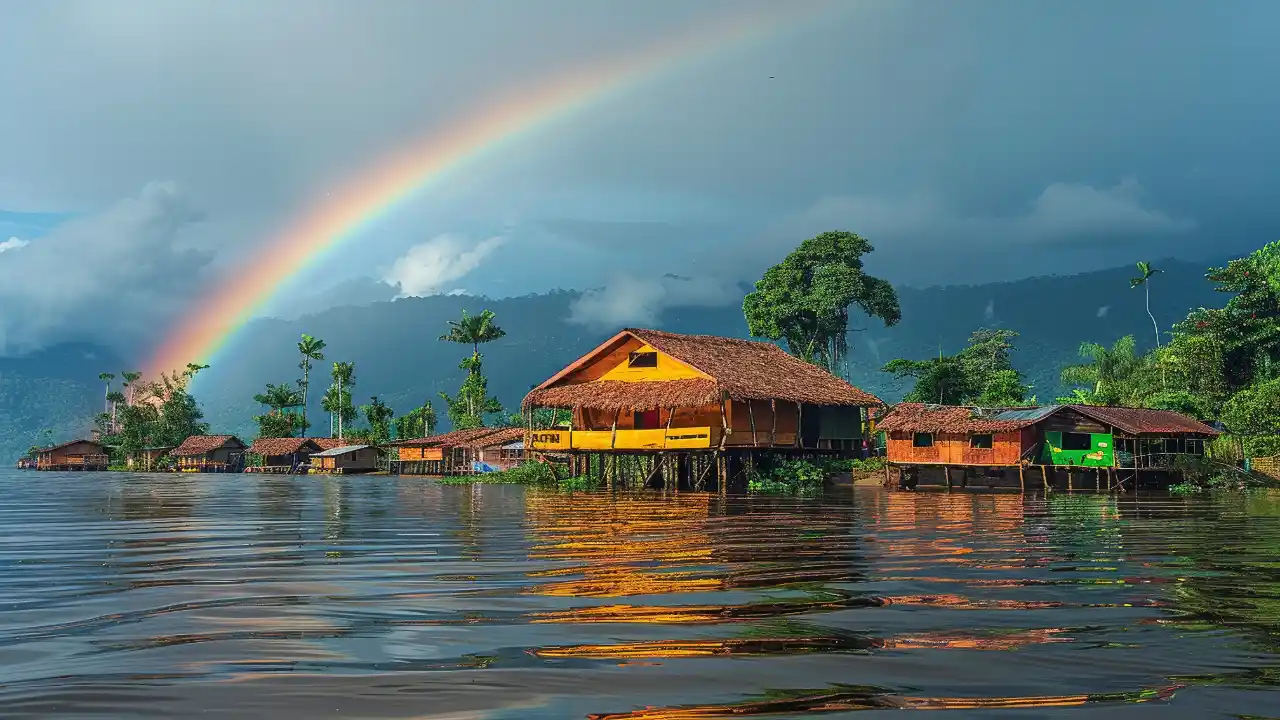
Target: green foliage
1145 271
980 374
418 422
278 424
1254 413
337 399
166 415
788 477
804 301
473 330
526 473
1109 375
473 402
311 349
378 416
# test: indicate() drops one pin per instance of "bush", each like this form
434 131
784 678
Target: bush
788 477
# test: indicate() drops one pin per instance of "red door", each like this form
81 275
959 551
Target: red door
648 420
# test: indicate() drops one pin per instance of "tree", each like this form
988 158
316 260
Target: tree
311 350
337 399
106 378
473 330
1145 272
980 374
1255 414
278 422
130 377
1110 371
379 417
468 408
419 422
804 301
114 398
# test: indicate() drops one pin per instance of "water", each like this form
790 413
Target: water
240 596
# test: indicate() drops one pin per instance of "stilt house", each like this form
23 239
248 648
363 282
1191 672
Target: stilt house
210 453
647 390
149 458
73 455
282 455
454 452
1116 443
345 460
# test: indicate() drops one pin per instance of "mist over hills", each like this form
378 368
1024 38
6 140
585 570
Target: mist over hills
53 394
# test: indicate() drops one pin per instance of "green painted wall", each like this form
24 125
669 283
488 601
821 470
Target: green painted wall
1100 454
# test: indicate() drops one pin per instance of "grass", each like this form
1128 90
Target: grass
534 474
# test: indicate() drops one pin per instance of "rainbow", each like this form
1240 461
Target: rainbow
341 212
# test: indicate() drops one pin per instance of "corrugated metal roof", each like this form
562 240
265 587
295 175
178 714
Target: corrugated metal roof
339 450
517 445
1029 414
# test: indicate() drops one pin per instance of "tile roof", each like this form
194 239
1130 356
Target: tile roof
329 443
201 444
283 446
1144 421
922 417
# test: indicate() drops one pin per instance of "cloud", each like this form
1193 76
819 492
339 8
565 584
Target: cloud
430 267
629 300
13 243
110 277
1102 311
989 312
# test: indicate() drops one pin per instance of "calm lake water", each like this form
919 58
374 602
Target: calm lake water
240 596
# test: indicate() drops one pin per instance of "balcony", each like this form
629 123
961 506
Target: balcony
684 438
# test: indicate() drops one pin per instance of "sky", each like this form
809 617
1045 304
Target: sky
150 148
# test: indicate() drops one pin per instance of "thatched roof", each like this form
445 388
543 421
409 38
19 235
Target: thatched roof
453 438
274 447
742 369
497 438
201 444
1144 421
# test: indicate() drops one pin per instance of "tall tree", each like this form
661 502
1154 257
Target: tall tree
130 377
337 399
1145 272
106 394
980 374
278 422
379 417
804 301
311 349
419 422
473 330
473 401
1110 371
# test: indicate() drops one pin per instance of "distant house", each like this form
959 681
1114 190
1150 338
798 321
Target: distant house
1108 443
449 453
345 460
210 453
281 455
148 458
73 455
491 452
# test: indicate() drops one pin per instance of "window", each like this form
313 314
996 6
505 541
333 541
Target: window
981 442
643 360
922 440
1077 441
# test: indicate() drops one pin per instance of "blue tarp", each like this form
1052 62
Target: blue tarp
478 466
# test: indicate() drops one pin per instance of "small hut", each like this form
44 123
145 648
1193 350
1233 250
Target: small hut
1059 444
210 453
282 455
345 460
489 453
73 455
148 458
696 399
445 454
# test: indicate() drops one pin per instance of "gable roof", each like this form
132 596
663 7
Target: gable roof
1144 421
340 450
201 444
499 437
453 437
272 447
743 369
69 443
923 417
329 443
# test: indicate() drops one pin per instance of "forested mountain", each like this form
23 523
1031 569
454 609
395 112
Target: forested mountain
399 358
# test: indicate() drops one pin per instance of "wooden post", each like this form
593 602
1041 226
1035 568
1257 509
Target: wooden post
1044 476
722 474
887 477
773 429
1022 477
751 413
724 422
946 471
799 414
1097 480
1071 474
670 416
613 438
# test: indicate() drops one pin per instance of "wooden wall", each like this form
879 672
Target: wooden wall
955 449
412 453
71 454
613 366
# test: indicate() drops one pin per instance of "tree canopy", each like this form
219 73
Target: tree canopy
980 374
804 301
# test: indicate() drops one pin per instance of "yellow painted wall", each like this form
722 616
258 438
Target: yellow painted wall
660 439
613 366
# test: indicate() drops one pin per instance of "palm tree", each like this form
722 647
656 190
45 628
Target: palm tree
1147 271
106 394
279 397
115 397
473 330
335 399
1108 370
129 378
310 348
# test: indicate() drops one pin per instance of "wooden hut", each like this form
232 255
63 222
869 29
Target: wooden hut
450 453
210 453
149 458
282 455
708 399
345 460
1057 444
489 453
73 455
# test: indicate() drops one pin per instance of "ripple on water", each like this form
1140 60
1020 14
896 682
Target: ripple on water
131 595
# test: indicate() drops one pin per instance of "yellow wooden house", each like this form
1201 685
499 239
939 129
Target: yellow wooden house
653 391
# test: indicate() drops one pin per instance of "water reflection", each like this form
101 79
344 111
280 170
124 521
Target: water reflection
362 596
